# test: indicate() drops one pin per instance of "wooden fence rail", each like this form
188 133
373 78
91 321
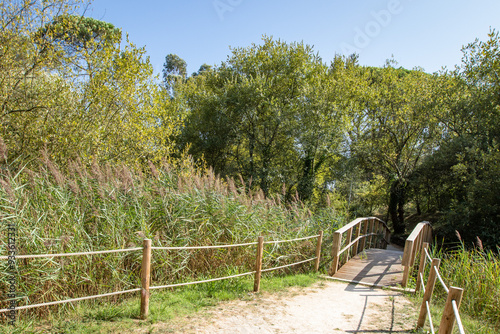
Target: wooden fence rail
364 230
146 269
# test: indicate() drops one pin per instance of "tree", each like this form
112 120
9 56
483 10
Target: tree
174 71
463 172
260 114
203 68
67 85
392 131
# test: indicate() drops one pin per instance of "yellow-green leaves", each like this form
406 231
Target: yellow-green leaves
69 86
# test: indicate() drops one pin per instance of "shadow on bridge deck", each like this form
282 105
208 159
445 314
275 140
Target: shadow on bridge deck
373 267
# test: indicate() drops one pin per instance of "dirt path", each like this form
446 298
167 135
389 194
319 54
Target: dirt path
326 307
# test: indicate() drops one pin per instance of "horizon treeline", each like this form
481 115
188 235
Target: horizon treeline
383 141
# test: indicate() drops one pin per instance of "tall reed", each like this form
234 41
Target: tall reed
103 207
477 271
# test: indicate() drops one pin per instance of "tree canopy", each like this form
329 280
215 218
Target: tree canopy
384 140
68 86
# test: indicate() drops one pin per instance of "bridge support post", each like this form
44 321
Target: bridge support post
337 239
408 253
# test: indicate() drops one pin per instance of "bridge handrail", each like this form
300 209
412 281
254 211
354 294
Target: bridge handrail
370 227
418 243
413 246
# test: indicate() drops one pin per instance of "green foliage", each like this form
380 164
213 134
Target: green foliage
461 177
343 138
392 131
174 65
79 32
70 86
174 72
260 115
478 273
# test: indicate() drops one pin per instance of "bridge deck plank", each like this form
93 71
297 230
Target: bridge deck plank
379 267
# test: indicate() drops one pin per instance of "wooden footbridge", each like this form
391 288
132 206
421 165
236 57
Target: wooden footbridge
363 254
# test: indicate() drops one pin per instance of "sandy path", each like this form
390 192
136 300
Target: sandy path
326 307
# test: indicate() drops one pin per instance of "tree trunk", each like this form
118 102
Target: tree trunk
396 206
401 210
306 182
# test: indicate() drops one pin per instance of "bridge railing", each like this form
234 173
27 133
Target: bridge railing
361 233
413 246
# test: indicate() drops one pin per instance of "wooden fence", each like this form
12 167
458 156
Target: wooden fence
418 244
369 232
146 269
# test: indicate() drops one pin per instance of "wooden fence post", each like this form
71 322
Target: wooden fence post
318 250
408 253
337 238
423 259
448 319
429 289
145 277
258 264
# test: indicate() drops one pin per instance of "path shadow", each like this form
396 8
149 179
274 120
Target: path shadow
358 330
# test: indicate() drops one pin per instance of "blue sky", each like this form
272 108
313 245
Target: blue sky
424 33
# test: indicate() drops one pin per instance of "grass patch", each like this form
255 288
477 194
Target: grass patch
275 284
165 306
